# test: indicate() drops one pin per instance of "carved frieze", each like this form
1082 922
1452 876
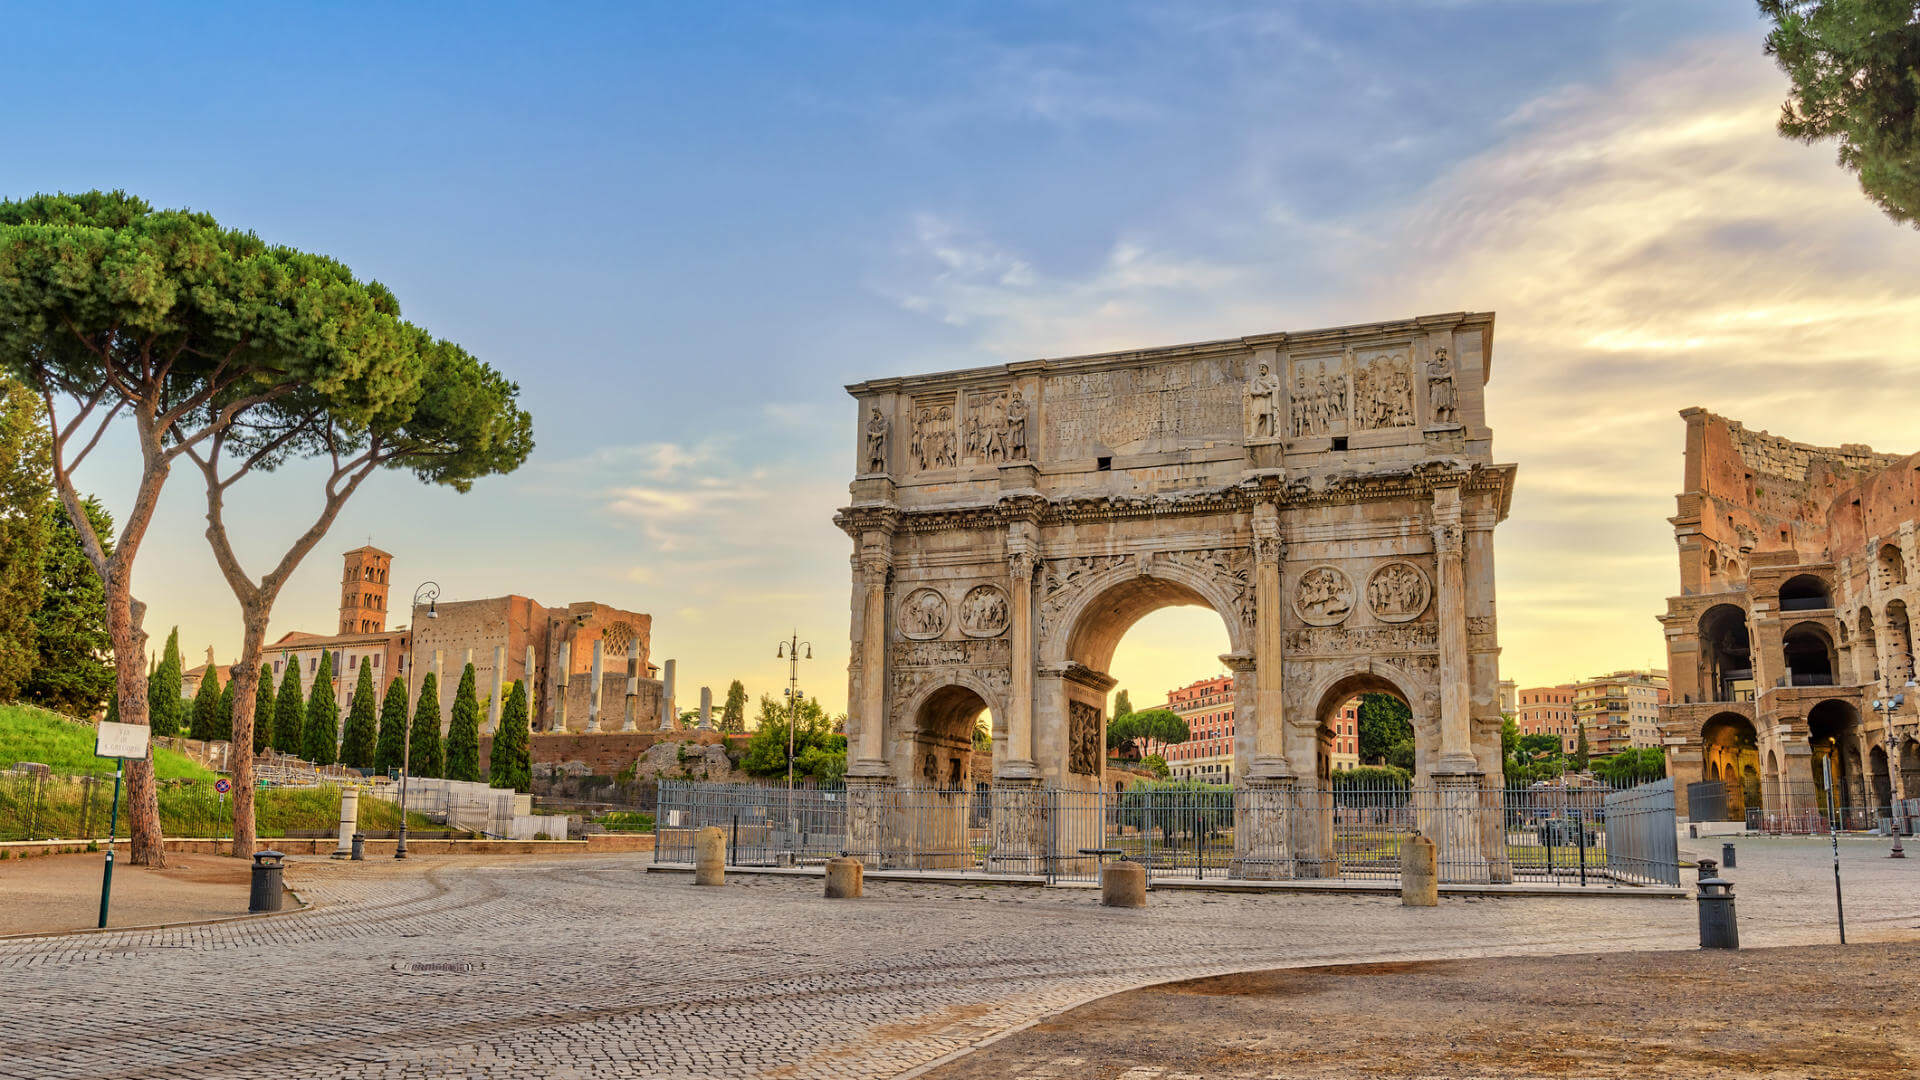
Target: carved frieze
983 612
973 653
1318 404
1323 596
1480 626
1063 576
1372 640
1383 389
1397 592
923 614
1124 409
1084 742
932 444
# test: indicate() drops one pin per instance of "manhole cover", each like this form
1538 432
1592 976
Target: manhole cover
439 967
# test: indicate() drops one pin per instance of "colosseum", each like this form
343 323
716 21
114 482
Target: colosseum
1790 646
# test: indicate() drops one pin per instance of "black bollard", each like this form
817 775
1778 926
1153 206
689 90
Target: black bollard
1718 929
267 893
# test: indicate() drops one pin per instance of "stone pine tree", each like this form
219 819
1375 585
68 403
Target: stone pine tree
357 745
509 765
213 345
289 711
463 732
206 707
264 708
424 758
393 728
1855 67
733 715
319 739
163 691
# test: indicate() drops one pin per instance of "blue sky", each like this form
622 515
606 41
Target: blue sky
683 228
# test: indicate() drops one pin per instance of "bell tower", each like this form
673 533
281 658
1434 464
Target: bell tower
363 591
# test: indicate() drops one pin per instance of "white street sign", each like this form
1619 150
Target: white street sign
121 740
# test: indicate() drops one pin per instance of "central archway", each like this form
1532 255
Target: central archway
1080 633
1731 756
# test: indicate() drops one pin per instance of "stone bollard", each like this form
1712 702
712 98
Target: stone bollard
1123 884
845 876
1419 873
710 856
349 822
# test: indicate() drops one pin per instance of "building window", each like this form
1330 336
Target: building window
276 667
313 663
376 659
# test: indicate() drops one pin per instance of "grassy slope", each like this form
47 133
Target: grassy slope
28 733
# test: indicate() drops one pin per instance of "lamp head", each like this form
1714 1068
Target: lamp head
809 650
781 652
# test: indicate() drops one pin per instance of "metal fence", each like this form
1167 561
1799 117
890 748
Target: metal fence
1784 809
1185 830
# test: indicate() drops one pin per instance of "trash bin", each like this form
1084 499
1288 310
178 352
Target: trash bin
1726 855
268 871
1718 930
359 847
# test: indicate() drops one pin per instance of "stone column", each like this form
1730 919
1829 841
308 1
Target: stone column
1456 699
668 717
876 562
529 668
633 682
562 682
499 678
593 692
1269 714
1019 764
706 708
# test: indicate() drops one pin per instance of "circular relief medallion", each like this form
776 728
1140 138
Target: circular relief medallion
1323 597
983 611
1397 592
923 614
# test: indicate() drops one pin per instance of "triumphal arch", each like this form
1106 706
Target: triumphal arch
1330 494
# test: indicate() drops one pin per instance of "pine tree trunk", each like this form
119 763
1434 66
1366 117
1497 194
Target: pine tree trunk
240 762
148 846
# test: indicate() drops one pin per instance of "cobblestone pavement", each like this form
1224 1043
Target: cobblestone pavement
590 967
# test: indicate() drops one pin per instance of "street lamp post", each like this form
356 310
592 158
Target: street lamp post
789 650
430 592
1886 708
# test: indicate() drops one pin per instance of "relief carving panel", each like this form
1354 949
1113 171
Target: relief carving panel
1084 744
1323 596
1398 592
983 612
923 614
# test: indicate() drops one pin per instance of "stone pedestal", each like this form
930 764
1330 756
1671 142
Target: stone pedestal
1262 836
1455 824
1020 811
867 817
349 821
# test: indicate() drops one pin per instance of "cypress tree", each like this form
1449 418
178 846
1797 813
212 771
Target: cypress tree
509 766
463 733
733 715
289 712
320 740
163 690
393 728
206 707
226 710
426 760
356 746
263 710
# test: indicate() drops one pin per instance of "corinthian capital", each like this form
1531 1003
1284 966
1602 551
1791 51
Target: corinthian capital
1020 565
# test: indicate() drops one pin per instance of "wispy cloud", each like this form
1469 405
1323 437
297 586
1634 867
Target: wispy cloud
1649 243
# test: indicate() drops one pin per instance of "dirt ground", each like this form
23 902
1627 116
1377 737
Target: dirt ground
62 892
1817 1011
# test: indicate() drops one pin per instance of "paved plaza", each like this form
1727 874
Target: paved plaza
592 967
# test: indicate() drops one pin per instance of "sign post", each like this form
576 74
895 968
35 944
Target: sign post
222 785
119 742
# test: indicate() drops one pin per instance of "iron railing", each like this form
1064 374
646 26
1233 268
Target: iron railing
1582 835
1784 809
